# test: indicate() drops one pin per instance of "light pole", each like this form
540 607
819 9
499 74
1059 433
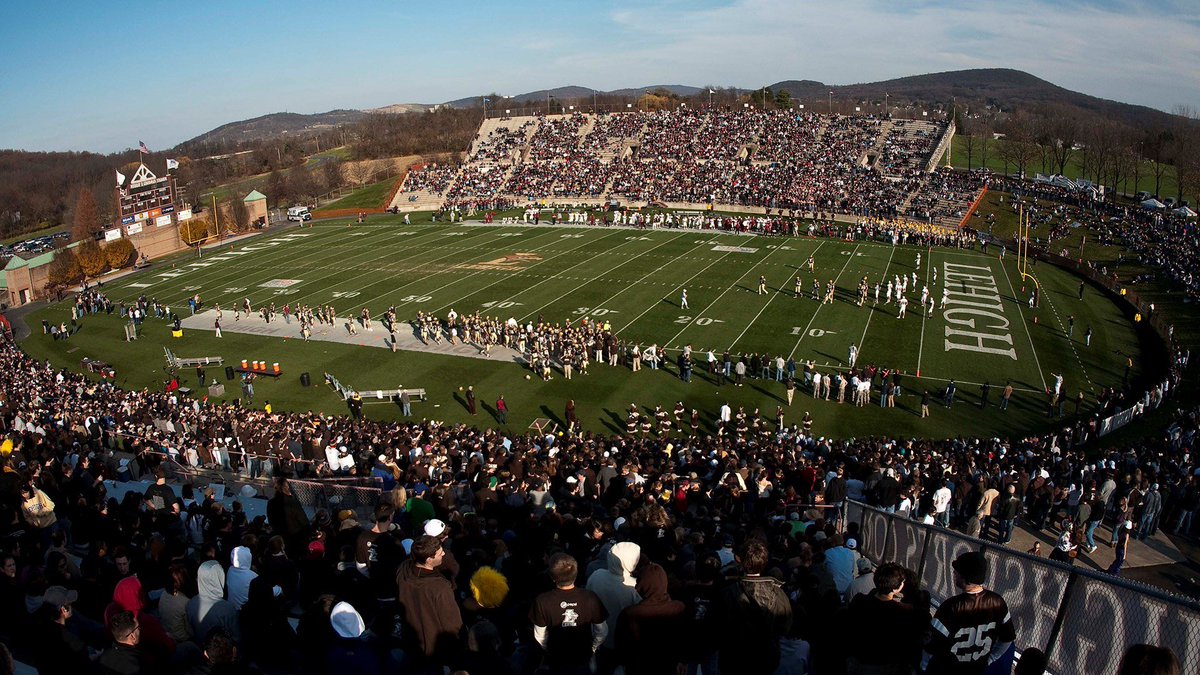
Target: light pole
885 107
830 101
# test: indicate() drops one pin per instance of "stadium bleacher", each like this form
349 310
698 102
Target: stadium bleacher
850 165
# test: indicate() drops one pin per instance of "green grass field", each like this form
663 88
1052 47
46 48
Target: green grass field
632 279
372 196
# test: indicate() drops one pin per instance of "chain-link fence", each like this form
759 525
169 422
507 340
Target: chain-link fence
357 494
1082 619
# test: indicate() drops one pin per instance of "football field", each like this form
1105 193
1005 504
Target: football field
635 280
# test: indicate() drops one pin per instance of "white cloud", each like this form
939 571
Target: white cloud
1131 52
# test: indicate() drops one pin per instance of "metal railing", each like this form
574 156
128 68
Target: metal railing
1082 619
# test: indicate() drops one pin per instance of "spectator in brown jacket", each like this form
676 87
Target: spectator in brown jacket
650 634
432 620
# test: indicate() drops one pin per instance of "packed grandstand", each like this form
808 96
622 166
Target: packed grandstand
786 160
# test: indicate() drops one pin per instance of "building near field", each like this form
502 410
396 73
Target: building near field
25 279
256 204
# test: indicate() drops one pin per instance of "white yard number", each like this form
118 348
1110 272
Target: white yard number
189 289
570 236
454 234
857 255
416 298
594 311
345 294
502 304
815 332
285 291
637 238
234 290
701 321
509 234
973 643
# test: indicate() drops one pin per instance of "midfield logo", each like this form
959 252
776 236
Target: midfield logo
512 262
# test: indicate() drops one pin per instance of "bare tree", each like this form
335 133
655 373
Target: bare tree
968 141
331 171
1155 147
87 217
239 214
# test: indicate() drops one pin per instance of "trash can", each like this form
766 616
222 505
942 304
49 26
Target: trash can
229 372
305 381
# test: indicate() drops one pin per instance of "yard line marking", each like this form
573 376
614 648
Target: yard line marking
976 384
489 254
222 273
517 274
453 245
1062 325
1029 335
764 307
718 298
818 310
871 314
924 312
587 281
678 286
647 276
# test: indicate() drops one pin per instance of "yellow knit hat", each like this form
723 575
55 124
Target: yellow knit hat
489 587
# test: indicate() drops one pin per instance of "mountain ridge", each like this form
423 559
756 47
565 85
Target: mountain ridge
1004 88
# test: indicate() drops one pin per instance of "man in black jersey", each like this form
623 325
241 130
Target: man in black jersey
568 622
972 629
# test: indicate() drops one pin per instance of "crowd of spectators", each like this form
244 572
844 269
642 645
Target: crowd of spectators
430 178
695 549
749 157
1164 242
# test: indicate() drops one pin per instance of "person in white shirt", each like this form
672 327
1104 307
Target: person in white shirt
941 504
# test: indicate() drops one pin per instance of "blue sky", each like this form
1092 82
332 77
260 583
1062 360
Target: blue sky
101 76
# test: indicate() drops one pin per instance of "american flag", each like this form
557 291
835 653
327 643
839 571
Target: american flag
142 148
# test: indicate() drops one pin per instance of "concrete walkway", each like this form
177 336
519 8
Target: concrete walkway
406 337
1155 550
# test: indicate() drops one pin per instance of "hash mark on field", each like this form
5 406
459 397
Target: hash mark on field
1021 313
1070 342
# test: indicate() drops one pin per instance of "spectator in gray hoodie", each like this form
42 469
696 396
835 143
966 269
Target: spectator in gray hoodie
615 585
209 609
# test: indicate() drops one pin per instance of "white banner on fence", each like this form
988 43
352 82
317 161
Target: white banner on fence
1117 421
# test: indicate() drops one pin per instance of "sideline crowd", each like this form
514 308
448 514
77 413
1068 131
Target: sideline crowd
499 553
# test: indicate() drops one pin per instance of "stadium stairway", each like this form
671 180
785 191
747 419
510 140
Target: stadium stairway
421 200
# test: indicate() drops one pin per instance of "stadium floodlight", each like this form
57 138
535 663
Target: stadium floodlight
802 106
857 109
628 105
570 107
506 111
745 105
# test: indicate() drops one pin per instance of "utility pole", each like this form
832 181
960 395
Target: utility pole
830 101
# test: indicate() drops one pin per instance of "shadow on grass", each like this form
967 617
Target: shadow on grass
613 422
552 417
